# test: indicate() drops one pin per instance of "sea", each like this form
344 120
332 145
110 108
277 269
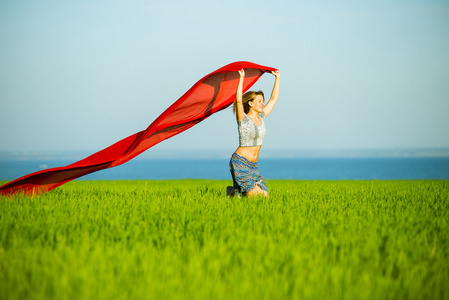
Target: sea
358 168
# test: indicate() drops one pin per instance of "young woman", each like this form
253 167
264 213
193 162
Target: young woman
250 111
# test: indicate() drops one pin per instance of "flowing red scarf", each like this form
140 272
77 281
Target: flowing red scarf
209 95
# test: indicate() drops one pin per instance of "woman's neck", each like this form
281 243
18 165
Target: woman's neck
252 113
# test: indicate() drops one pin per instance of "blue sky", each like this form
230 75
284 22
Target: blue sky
81 75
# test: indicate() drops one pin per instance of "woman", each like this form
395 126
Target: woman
250 112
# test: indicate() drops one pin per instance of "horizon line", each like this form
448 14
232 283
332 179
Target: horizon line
226 153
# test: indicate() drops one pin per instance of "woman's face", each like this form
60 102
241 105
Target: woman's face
258 103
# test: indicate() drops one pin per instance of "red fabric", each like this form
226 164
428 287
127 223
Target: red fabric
211 94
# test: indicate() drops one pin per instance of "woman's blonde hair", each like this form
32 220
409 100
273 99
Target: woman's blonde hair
246 98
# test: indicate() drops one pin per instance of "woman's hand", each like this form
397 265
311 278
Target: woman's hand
276 73
242 73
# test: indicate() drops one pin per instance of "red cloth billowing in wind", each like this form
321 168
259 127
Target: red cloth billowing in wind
212 93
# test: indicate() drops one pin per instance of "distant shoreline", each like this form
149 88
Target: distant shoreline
225 153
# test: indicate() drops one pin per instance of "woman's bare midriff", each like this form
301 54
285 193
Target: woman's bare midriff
250 153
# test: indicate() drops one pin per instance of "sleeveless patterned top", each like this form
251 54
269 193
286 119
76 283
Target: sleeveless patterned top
249 133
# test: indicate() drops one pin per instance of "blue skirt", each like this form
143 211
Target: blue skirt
245 174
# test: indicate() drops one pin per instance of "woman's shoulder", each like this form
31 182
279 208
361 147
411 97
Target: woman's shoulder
245 119
262 115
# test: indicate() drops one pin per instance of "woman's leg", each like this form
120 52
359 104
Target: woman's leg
256 191
246 176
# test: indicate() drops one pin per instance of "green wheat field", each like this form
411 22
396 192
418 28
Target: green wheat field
184 239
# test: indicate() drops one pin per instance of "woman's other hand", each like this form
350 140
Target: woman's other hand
276 73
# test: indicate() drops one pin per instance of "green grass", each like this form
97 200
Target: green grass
186 240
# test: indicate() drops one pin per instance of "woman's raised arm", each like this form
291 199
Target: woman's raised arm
274 94
240 112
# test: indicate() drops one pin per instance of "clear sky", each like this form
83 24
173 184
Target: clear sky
81 75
